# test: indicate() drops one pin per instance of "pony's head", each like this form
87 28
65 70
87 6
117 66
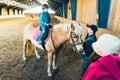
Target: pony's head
75 33
71 32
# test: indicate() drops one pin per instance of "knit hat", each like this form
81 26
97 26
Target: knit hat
106 44
93 27
45 6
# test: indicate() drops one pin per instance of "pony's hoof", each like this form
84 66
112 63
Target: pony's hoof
56 70
38 60
24 61
50 78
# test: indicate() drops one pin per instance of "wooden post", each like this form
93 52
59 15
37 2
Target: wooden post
8 11
112 14
4 11
0 11
73 8
65 10
13 11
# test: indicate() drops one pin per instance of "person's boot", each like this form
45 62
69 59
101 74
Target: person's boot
42 44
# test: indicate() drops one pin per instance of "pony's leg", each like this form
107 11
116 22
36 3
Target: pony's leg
24 51
53 63
36 54
49 64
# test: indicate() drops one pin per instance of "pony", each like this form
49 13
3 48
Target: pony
59 34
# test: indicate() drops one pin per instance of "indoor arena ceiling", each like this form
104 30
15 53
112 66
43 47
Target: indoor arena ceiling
26 4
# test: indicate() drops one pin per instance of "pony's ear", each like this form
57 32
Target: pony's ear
72 26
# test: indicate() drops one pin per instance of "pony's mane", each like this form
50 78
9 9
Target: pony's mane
63 26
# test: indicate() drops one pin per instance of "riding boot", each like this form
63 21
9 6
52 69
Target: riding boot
42 44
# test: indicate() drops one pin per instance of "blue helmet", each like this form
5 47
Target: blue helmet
45 6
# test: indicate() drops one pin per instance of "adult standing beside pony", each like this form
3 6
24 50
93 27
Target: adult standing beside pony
90 38
108 66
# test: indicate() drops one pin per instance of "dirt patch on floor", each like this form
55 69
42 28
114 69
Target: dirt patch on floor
11 64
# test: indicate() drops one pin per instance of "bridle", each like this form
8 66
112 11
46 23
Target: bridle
74 44
71 37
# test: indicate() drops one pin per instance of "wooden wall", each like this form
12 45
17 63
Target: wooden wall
19 12
4 11
79 10
114 19
32 15
86 11
10 11
89 12
83 25
16 12
69 15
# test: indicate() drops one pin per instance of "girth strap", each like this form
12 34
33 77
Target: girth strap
52 40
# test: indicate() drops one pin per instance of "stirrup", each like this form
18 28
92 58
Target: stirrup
43 45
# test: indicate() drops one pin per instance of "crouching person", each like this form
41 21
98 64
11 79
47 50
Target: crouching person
107 67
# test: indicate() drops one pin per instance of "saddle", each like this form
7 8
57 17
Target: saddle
36 34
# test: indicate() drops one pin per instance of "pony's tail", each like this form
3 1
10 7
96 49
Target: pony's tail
29 49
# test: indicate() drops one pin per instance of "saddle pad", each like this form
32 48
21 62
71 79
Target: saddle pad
37 33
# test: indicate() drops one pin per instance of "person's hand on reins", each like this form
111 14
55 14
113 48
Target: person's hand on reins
49 24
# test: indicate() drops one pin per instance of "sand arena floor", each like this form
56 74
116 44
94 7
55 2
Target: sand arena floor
11 65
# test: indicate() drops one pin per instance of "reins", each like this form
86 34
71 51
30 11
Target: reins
56 48
74 44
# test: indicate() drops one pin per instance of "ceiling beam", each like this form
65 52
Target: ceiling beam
62 1
52 6
54 3
10 7
2 5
